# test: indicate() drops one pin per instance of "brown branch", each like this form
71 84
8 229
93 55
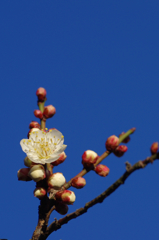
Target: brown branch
45 209
99 199
46 205
100 159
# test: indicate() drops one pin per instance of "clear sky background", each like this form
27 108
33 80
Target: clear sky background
98 61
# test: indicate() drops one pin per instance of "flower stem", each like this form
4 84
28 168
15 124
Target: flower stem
43 120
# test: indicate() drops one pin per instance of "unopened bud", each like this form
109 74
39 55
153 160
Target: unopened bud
66 196
39 192
56 180
28 162
41 94
126 140
89 157
111 143
78 182
61 208
32 130
34 124
60 160
102 170
23 174
49 111
38 114
154 148
37 173
120 150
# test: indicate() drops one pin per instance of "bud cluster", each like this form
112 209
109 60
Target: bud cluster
45 150
45 181
43 144
112 145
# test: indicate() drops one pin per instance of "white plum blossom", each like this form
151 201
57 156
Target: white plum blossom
43 147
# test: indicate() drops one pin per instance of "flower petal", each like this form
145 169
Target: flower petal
60 150
26 145
55 134
34 158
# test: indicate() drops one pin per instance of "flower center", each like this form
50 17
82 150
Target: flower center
45 148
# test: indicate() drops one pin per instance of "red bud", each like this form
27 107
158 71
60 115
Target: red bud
78 182
111 143
34 124
38 114
66 196
154 148
102 170
89 157
23 174
49 111
120 150
41 94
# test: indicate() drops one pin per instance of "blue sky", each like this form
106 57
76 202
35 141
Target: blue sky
98 61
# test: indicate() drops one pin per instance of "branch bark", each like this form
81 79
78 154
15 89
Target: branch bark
99 199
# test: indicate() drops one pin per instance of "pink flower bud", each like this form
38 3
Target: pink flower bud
66 196
56 180
39 192
23 174
41 94
89 157
32 130
111 143
34 124
154 148
126 140
37 173
49 111
61 208
120 150
38 114
102 170
60 160
78 182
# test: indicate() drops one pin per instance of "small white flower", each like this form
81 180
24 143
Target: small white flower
43 147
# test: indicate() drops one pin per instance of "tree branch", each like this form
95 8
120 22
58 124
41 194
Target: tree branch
46 205
99 199
100 159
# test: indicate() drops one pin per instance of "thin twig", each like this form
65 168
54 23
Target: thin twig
100 159
99 199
